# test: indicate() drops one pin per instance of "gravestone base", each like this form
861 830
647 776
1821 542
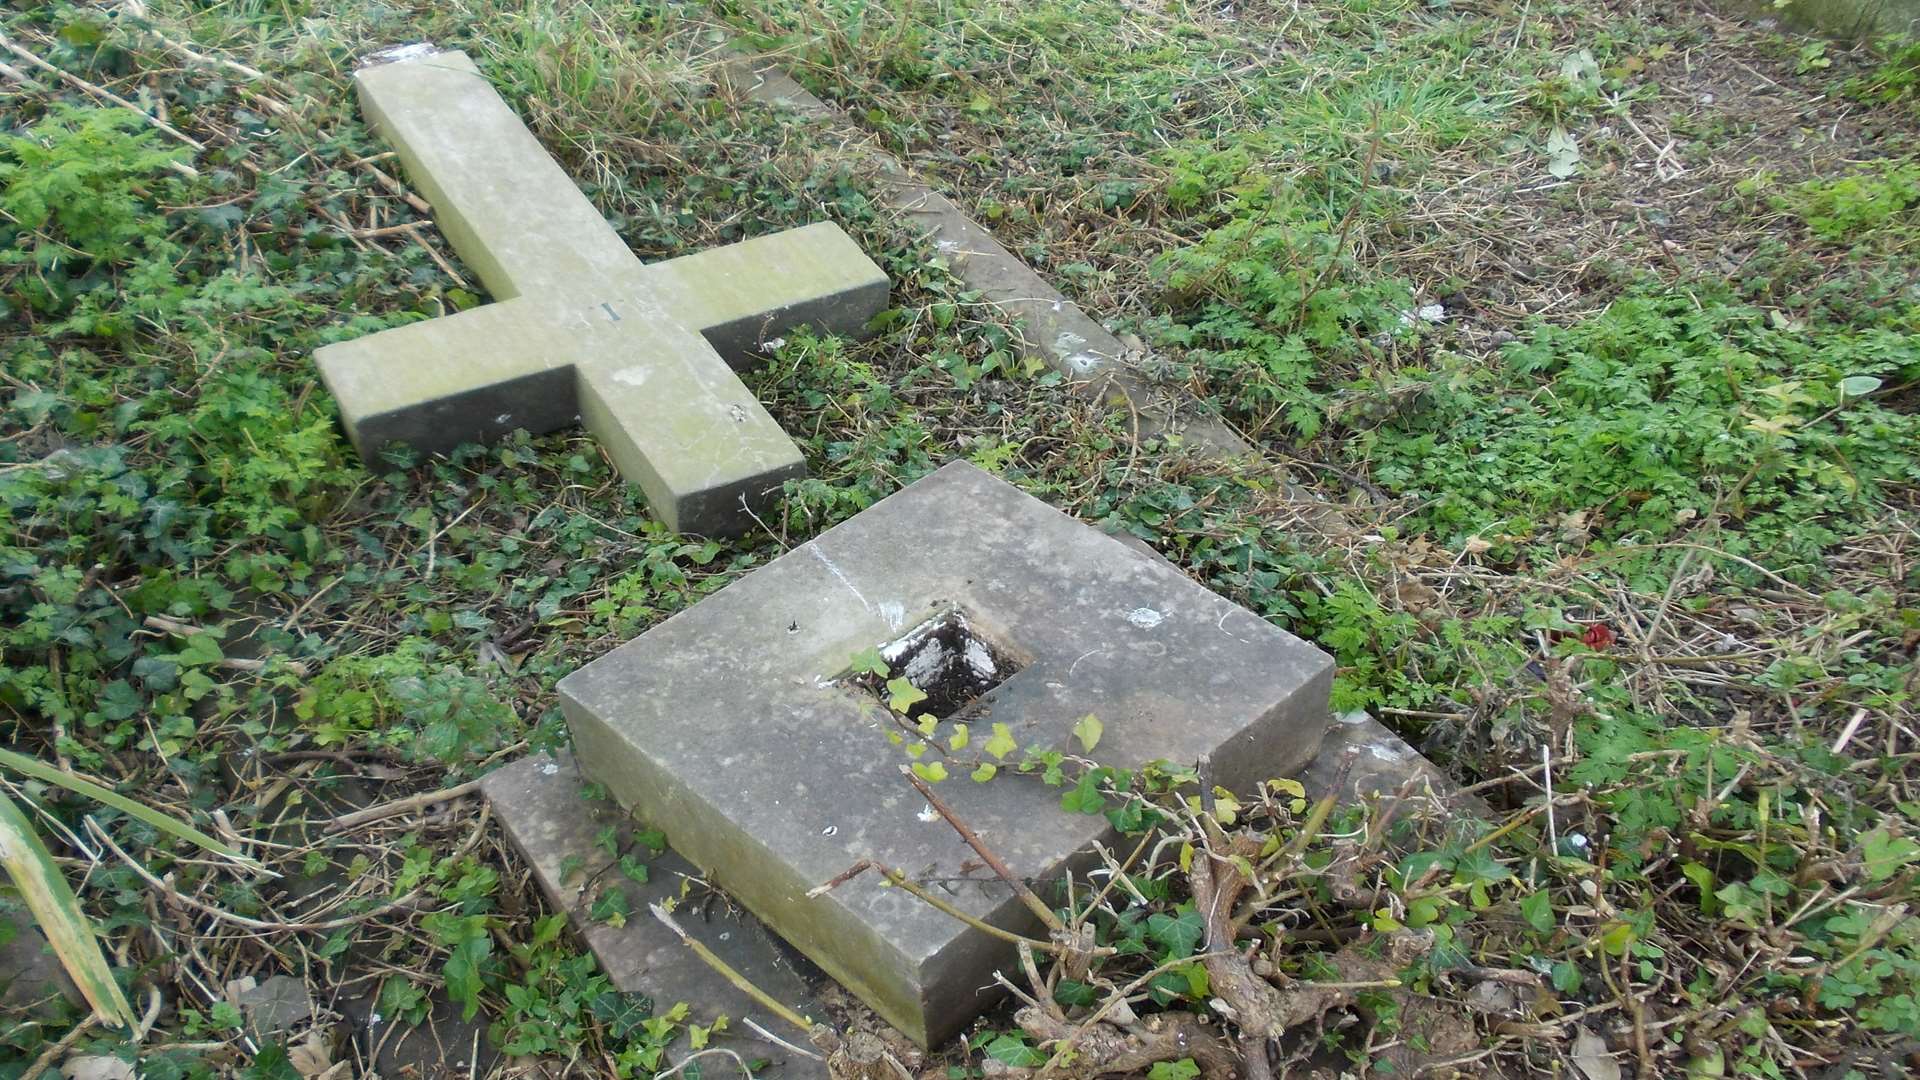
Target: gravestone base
541 803
747 728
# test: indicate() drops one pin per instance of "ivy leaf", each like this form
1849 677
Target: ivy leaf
623 1013
1084 797
1179 934
1071 993
1002 742
1184 1069
985 772
1088 731
902 695
1014 1050
960 737
869 662
1537 909
931 771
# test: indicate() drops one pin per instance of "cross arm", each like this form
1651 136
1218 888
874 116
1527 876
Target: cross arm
472 376
744 294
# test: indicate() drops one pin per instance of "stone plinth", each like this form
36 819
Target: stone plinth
735 728
643 355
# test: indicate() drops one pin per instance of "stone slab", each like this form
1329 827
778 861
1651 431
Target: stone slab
729 725
643 355
542 804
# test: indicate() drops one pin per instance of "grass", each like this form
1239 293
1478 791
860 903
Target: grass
1642 495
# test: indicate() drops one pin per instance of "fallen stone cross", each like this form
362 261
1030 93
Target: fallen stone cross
745 730
643 355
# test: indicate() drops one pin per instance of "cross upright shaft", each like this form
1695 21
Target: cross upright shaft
643 355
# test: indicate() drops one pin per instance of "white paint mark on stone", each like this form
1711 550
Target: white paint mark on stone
830 830
928 815
739 414
895 614
502 419
834 569
549 768
1145 618
631 376
1390 753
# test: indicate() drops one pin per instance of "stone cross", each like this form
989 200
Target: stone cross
743 729
642 355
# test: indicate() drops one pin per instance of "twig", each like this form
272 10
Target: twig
693 1057
412 229
1846 733
102 92
51 1053
241 920
895 877
232 663
23 78
395 187
772 1038
401 806
388 230
994 862
740 982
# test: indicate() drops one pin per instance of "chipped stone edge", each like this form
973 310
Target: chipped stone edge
397 54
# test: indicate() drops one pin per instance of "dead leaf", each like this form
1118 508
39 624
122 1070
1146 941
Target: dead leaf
313 1061
1563 154
1591 1058
1476 546
96 1067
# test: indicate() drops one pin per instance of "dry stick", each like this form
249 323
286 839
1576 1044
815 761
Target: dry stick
387 230
412 229
102 92
241 920
233 663
1034 903
396 188
740 982
1353 211
1117 998
899 878
400 806
66 1042
27 81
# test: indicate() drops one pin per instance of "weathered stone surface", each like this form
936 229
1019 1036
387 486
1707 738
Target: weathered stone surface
32 982
542 804
643 355
728 726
